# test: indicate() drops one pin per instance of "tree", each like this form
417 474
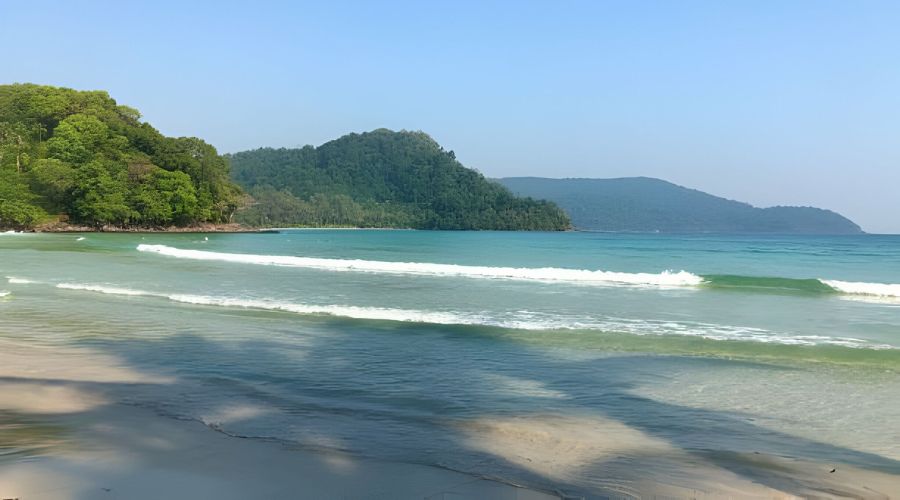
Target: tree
17 209
56 139
53 179
99 198
386 178
78 138
13 142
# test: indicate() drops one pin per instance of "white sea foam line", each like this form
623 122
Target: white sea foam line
18 281
546 274
665 278
860 288
102 289
4 294
355 312
871 299
524 320
12 280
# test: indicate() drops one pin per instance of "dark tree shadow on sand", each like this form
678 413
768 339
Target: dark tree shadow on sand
448 375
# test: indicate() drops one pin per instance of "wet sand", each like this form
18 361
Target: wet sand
64 437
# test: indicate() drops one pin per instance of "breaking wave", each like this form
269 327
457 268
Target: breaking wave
878 292
664 279
859 288
18 281
545 274
102 289
518 320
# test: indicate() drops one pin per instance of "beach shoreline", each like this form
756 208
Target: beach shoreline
58 228
194 228
65 434
205 229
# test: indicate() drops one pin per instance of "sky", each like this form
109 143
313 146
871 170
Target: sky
768 102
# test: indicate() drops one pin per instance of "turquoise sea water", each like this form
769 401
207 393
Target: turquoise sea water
418 346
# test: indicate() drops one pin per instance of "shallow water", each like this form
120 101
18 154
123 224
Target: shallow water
513 355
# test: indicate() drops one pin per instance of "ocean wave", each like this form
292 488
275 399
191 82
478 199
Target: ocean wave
518 320
18 281
872 292
665 279
546 274
810 286
4 294
102 289
353 312
885 290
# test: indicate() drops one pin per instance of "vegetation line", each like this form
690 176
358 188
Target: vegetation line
75 160
381 179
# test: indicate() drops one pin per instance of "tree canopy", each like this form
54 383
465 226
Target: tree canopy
82 155
381 179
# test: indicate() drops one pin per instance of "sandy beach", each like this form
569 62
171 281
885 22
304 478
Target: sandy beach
62 437
129 453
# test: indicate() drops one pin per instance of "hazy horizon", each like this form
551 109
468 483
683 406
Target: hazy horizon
766 103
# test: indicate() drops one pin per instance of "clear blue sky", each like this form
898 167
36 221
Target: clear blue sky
770 102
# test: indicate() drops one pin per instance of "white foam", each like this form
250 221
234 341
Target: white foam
886 290
80 238
4 294
355 312
102 289
545 274
518 320
18 281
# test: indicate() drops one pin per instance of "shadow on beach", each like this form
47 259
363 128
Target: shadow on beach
586 433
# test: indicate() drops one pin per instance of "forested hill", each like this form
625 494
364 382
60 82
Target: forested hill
80 156
381 179
642 204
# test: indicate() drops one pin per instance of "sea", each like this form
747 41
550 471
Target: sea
552 360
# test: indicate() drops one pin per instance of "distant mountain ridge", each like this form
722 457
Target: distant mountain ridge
644 204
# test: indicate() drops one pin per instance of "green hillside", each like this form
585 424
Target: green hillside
381 179
94 162
644 204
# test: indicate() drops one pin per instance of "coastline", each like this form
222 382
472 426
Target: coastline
63 228
236 229
196 228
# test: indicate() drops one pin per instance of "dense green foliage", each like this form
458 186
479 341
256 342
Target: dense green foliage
642 204
381 179
80 154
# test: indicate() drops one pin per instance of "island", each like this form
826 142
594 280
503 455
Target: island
643 204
